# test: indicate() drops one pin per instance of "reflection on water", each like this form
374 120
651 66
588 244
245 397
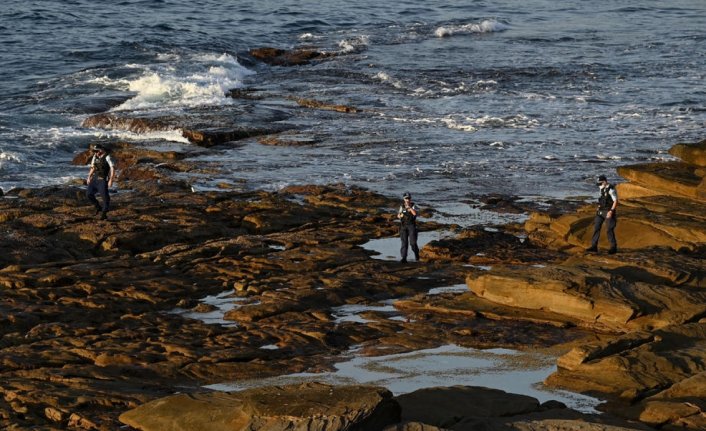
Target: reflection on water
456 288
351 312
223 302
389 248
508 370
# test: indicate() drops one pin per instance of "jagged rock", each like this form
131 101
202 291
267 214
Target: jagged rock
638 365
309 103
680 406
478 246
642 223
671 178
693 154
278 263
281 57
288 140
217 131
594 297
309 406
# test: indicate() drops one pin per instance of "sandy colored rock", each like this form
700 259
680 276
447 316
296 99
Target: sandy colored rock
309 406
670 177
693 154
595 297
635 366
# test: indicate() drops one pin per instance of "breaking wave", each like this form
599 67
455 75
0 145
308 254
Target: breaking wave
487 26
201 81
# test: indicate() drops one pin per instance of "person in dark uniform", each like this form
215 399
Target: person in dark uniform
607 203
100 179
408 226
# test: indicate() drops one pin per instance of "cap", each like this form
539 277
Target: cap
602 178
98 147
407 195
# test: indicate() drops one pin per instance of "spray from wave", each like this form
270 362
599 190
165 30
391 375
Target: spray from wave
186 82
486 26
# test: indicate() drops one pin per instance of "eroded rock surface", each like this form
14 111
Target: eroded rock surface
309 406
653 292
100 317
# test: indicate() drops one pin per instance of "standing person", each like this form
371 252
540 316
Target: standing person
100 179
607 203
408 226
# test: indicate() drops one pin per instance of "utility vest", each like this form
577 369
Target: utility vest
605 202
407 217
101 167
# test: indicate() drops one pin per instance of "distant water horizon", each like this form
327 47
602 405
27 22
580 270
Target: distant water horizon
531 98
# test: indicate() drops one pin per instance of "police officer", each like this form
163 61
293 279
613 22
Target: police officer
607 203
100 179
408 226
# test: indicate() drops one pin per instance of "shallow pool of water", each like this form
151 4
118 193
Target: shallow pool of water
508 370
223 302
389 248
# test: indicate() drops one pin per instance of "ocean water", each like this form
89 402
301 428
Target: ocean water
533 98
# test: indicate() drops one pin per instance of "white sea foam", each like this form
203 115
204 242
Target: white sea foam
354 44
453 124
607 157
196 81
486 26
384 77
108 82
9 157
163 135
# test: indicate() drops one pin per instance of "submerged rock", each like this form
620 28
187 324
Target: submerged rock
282 57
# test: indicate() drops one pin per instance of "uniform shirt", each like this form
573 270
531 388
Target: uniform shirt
108 159
613 194
405 216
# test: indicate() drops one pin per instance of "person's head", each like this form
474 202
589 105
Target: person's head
602 180
98 149
406 196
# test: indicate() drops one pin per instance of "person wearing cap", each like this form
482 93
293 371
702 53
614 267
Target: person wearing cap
100 179
408 227
607 203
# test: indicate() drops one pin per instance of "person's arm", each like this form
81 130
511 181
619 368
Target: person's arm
413 209
90 172
111 176
614 196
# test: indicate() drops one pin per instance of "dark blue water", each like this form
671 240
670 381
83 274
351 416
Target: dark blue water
461 97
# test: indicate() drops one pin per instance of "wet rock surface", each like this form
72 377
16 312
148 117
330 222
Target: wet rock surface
100 317
283 57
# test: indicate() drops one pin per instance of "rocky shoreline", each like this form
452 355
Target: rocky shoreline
89 338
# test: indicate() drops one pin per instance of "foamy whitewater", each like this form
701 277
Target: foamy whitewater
457 98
